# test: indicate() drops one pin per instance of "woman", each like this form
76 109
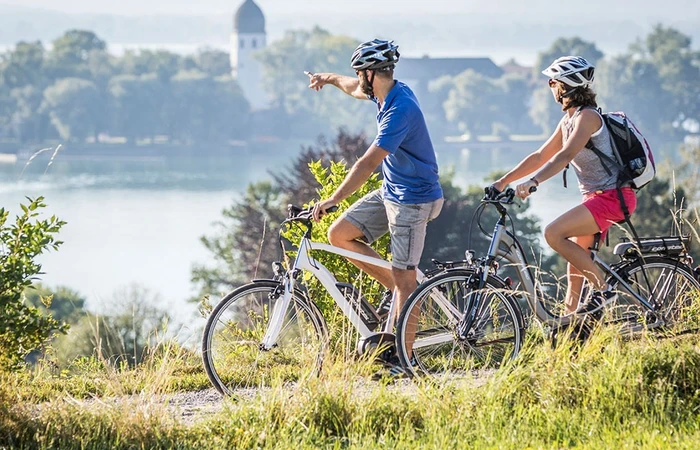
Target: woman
571 234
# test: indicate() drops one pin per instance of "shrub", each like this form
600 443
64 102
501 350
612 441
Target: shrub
23 328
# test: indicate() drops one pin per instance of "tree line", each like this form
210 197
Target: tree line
76 90
654 81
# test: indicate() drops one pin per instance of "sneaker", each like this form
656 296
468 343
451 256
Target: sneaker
385 304
596 302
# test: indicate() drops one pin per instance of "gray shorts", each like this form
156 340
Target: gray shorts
374 216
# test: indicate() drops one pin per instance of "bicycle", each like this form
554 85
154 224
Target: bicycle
470 317
273 325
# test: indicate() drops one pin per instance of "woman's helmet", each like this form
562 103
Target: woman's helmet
574 71
375 55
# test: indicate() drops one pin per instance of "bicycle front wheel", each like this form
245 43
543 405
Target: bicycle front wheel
670 286
231 341
426 334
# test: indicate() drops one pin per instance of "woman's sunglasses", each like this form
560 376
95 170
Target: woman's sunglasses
552 82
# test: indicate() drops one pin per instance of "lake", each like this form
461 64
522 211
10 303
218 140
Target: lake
139 220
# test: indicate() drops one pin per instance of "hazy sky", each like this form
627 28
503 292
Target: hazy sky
546 10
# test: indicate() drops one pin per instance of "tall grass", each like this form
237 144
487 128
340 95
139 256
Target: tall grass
607 394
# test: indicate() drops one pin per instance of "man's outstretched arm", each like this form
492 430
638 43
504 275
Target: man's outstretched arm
349 85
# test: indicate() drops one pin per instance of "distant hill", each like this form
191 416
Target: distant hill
437 35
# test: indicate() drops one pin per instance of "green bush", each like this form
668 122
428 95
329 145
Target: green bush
23 328
329 179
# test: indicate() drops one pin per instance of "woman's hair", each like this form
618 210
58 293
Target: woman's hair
581 96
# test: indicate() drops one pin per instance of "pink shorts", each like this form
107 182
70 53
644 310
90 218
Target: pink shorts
606 209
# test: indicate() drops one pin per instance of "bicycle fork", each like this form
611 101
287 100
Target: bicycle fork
279 310
474 306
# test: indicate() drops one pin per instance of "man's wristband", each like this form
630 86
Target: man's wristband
537 183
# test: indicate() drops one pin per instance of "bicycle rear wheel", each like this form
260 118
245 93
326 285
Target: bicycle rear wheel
670 286
436 308
231 341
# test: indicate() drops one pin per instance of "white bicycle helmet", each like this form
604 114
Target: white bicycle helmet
375 55
574 71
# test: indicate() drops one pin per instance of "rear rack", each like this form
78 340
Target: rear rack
657 245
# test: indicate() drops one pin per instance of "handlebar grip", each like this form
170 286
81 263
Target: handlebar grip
331 209
532 189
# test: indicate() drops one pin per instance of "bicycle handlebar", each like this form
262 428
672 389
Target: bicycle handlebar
491 195
304 214
507 197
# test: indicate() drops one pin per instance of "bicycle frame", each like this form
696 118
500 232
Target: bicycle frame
304 261
516 256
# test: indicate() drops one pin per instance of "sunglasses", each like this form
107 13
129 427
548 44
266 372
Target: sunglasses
552 83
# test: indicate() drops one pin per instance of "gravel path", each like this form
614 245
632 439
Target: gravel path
190 407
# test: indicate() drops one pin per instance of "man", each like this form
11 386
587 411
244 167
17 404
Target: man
410 195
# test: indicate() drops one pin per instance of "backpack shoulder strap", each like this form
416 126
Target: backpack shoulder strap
603 157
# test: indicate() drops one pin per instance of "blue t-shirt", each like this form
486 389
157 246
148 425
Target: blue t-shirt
410 170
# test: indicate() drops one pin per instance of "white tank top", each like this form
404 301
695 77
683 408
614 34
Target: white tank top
587 165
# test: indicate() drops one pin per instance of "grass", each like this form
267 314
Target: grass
608 394
172 369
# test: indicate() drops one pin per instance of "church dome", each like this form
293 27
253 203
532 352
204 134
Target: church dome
249 19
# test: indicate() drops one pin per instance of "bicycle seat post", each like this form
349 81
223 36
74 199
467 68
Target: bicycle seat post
596 242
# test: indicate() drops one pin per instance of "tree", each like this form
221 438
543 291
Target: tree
64 304
515 98
29 122
139 103
433 107
7 107
471 103
163 63
213 62
128 331
283 64
75 107
678 66
71 53
567 46
24 66
23 328
635 86
205 109
687 175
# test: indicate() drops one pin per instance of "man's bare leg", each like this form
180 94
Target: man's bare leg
345 235
405 285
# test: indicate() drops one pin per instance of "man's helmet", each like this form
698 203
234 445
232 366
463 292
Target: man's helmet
574 71
375 55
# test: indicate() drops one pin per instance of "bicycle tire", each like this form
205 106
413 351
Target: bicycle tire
231 340
675 293
491 344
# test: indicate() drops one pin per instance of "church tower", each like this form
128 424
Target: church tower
248 37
